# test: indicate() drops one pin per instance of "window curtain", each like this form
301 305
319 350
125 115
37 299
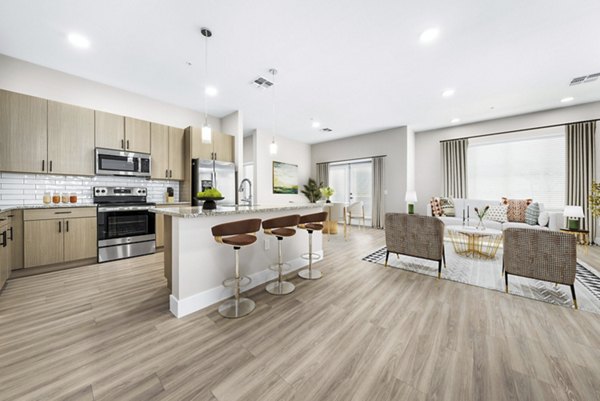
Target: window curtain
454 168
378 210
323 174
581 169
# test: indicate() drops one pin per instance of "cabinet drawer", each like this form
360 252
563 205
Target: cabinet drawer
58 213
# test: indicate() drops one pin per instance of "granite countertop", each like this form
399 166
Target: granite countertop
6 208
196 211
183 203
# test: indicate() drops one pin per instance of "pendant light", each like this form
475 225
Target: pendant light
273 144
206 130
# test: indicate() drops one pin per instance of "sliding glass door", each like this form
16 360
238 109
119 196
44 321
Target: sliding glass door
352 182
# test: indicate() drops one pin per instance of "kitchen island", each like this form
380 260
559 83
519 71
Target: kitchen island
196 265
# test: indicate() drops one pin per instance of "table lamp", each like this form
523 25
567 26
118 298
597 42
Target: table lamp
411 199
573 214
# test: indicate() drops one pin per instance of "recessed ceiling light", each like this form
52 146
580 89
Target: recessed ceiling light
429 35
78 40
448 93
567 99
316 124
455 120
211 91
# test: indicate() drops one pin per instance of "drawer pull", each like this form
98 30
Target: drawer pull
69 212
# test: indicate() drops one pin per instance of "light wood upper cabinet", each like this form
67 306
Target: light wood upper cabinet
23 132
110 130
176 153
70 139
137 135
43 242
223 146
80 238
159 141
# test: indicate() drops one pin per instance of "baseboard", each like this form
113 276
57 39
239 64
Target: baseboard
185 306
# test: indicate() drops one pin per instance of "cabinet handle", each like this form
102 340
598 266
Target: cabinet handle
60 226
43 165
68 212
128 144
167 173
11 234
67 225
3 239
50 165
170 173
122 144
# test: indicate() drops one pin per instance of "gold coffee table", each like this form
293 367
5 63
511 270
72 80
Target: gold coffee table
469 241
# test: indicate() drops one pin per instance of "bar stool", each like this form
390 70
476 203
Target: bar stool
238 234
310 223
280 227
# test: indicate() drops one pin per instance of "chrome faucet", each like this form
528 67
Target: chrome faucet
248 199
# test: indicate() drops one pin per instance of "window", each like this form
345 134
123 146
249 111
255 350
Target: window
521 165
352 182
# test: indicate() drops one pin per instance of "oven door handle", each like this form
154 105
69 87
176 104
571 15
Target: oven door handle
123 208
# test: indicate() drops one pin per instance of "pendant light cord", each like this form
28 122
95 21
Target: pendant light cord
274 72
205 79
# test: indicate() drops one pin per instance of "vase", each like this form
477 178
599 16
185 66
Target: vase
327 201
480 225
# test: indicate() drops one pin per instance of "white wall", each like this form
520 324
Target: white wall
427 156
31 79
392 143
289 151
410 159
233 124
249 149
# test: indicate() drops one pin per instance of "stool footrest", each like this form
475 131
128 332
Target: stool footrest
284 267
315 256
233 282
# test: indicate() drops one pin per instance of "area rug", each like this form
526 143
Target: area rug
488 274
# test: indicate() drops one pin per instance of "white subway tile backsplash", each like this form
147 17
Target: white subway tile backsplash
19 189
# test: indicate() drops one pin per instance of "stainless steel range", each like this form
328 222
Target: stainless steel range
126 228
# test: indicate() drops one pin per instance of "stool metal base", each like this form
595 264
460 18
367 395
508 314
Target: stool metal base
233 308
280 288
284 267
307 274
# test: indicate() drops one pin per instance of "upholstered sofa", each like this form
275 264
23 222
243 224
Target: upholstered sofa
555 219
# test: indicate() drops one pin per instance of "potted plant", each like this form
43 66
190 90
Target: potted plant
327 192
311 190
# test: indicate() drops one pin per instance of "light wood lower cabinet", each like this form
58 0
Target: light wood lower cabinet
43 242
59 235
160 230
80 239
5 252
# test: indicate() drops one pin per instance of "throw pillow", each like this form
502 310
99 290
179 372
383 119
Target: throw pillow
497 213
436 208
516 209
447 205
532 214
544 219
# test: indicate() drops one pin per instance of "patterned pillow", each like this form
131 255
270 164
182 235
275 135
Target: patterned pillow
544 219
436 208
516 209
497 213
532 214
447 205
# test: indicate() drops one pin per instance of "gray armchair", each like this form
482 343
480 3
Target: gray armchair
415 235
542 255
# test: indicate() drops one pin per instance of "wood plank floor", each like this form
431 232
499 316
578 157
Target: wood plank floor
104 332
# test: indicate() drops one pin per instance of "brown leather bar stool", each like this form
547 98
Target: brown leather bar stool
280 227
311 222
238 234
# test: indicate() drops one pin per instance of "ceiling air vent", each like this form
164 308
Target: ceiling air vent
584 79
264 83
326 129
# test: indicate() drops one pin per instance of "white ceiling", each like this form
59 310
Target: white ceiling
356 66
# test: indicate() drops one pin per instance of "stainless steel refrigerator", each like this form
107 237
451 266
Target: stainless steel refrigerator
213 174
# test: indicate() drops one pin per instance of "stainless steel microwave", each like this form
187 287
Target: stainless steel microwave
119 162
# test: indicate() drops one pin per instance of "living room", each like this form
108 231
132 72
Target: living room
400 202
